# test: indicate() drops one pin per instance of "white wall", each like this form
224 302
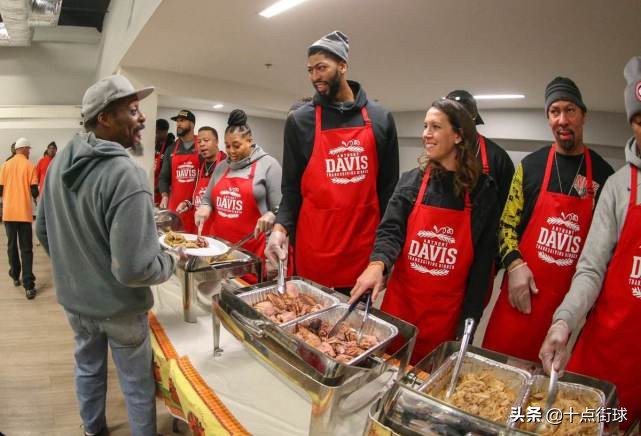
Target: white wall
268 133
122 24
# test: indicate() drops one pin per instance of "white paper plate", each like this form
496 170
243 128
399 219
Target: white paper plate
216 248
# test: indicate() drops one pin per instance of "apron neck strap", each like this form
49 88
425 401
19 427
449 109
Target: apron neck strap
421 191
318 110
483 151
634 175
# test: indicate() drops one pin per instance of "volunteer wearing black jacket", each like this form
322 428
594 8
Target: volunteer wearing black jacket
340 165
544 225
439 233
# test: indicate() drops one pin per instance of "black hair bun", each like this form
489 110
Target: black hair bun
237 117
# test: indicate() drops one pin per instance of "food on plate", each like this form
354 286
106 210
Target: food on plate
482 394
342 346
175 240
566 401
289 306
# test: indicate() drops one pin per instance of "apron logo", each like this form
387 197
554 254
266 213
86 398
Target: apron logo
229 203
635 277
186 173
559 244
346 163
432 253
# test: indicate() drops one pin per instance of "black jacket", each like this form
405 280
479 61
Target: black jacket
299 143
390 235
501 169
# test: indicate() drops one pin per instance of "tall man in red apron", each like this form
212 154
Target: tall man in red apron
607 282
164 148
178 174
340 166
540 250
208 144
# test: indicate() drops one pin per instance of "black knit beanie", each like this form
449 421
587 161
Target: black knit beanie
562 88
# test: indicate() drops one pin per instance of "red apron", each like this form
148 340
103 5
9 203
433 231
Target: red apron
339 214
606 347
485 165
551 245
42 167
184 170
235 210
157 167
429 278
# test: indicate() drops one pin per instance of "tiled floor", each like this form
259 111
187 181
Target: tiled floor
37 393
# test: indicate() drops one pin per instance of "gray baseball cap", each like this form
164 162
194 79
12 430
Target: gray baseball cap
109 89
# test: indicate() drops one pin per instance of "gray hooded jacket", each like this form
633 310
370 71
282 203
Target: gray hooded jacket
95 220
601 242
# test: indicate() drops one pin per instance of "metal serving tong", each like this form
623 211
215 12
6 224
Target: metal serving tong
280 280
234 246
351 308
368 304
553 389
467 333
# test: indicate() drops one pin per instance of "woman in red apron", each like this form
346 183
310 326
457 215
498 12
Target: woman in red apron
551 245
244 190
184 170
431 238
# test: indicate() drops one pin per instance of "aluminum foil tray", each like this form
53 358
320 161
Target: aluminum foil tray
515 379
591 397
375 326
258 295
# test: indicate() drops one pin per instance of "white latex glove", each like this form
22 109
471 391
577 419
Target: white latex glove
182 207
554 351
520 284
264 223
202 215
371 278
276 246
164 202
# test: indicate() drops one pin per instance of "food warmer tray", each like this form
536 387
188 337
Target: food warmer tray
405 409
340 394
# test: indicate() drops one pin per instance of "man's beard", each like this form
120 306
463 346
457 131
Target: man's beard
181 132
567 144
334 85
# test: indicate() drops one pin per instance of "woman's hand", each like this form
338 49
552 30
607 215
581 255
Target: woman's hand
372 278
264 223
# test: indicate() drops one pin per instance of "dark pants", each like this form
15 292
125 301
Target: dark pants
20 233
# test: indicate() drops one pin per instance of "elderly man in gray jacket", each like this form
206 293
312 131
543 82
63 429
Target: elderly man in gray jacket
607 282
96 222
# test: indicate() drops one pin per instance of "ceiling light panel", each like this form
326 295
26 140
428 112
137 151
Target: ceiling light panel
279 7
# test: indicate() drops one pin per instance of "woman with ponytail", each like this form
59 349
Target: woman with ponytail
437 239
244 191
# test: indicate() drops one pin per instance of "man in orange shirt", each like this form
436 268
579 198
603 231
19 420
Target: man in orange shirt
43 164
18 186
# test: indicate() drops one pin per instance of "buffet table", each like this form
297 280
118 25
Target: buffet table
228 394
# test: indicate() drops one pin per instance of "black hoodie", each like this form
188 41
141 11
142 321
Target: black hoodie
299 143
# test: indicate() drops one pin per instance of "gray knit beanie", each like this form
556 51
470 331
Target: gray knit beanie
336 43
562 88
632 93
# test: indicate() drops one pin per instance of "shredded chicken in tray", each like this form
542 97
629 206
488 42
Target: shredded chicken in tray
284 308
176 240
564 401
342 346
482 394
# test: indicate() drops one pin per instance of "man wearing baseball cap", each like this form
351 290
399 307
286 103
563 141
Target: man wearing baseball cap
607 282
340 167
96 222
179 173
18 187
544 226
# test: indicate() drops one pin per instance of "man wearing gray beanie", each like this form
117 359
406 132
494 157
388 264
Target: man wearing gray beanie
544 225
340 166
607 282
